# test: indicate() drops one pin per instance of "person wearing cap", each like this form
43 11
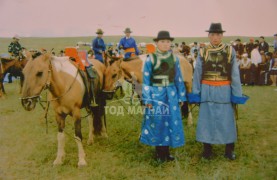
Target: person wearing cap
216 86
163 91
245 65
98 45
15 48
275 43
128 44
263 46
239 47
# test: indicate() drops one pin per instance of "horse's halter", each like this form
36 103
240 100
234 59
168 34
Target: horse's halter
45 87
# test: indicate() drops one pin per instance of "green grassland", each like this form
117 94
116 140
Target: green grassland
60 43
27 152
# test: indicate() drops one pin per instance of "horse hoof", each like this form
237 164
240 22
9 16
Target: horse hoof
82 163
90 142
57 162
104 135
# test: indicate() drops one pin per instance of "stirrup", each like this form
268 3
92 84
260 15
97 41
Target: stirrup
93 104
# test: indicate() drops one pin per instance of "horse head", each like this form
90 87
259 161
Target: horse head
36 78
112 74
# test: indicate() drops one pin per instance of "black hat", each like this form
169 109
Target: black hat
238 40
262 37
275 34
215 28
163 35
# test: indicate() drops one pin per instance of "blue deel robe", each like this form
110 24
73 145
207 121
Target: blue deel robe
216 121
163 126
98 46
128 43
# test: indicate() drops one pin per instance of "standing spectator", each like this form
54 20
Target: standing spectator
256 58
216 84
263 46
249 47
239 47
185 49
175 49
245 65
128 44
273 69
275 42
98 45
193 48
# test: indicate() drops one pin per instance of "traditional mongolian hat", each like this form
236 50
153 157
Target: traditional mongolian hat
127 30
99 31
215 28
16 37
163 35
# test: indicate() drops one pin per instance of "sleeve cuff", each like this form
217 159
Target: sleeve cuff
239 100
194 98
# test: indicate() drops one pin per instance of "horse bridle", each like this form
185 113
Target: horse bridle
47 85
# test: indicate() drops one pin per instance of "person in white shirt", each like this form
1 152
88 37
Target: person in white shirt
245 65
256 58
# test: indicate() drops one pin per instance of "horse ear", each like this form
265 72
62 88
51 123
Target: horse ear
28 55
47 56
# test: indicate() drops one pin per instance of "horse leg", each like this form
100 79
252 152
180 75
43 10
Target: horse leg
190 122
91 129
99 121
188 85
78 138
60 118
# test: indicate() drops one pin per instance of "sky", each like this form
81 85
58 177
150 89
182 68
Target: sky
182 18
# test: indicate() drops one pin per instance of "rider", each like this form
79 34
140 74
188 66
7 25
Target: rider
98 45
15 51
128 44
15 48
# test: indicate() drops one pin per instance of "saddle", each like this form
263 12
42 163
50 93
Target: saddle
89 97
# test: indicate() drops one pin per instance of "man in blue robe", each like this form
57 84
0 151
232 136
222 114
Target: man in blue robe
163 90
216 82
98 46
128 44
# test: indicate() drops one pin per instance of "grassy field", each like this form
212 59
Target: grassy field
60 43
27 152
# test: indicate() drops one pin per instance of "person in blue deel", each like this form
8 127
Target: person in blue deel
163 91
98 45
128 44
217 87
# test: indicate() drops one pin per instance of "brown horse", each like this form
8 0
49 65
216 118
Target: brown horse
61 77
14 67
118 70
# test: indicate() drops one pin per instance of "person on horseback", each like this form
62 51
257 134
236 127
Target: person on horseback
15 49
98 45
163 90
217 87
128 44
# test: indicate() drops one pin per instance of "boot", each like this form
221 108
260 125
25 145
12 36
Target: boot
162 154
91 73
207 153
92 96
229 151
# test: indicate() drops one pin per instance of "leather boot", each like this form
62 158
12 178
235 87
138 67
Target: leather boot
229 151
207 153
91 73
